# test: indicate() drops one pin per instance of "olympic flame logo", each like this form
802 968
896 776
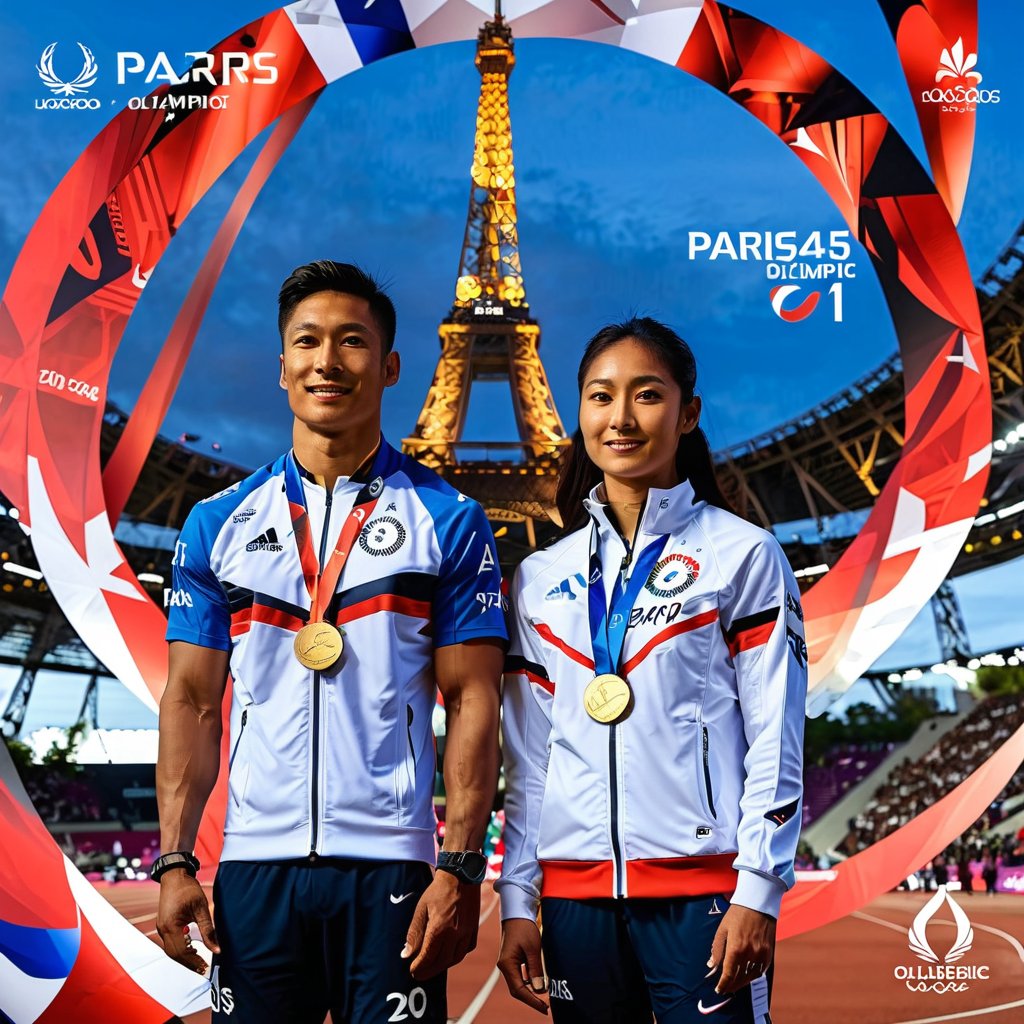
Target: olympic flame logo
964 932
85 79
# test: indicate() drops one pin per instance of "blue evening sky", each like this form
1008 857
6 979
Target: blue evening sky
617 159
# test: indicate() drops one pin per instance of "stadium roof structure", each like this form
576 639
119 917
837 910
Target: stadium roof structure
830 461
824 467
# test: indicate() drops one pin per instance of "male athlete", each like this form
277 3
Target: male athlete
340 585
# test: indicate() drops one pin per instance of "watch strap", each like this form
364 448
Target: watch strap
467 865
178 859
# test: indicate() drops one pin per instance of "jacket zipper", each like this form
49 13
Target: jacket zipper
314 800
613 778
613 752
707 776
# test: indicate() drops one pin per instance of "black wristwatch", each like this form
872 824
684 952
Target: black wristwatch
465 865
179 859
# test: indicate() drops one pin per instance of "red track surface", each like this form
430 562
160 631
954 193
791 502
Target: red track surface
840 974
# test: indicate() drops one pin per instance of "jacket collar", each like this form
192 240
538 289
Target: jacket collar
382 462
666 511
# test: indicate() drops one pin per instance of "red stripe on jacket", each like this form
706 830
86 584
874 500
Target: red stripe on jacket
666 634
756 636
545 633
543 683
711 875
241 620
385 603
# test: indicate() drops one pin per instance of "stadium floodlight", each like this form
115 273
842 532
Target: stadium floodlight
151 577
1010 510
812 570
23 570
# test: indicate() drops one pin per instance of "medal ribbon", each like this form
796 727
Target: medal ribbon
608 624
321 583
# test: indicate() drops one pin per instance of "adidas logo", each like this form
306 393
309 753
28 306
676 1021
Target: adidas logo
265 542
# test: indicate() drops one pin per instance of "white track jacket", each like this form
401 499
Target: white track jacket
698 790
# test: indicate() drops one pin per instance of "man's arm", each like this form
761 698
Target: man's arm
444 927
186 770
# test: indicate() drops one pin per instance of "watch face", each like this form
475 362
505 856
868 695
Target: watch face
467 865
474 866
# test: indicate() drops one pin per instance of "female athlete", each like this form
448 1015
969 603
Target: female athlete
653 719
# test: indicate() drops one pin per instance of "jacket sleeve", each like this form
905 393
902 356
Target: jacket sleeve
198 609
763 625
526 726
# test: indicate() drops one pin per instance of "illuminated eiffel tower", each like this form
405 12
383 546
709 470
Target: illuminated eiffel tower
489 335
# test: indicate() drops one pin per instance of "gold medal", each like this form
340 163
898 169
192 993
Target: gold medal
318 645
606 698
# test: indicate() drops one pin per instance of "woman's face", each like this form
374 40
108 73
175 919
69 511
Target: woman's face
632 415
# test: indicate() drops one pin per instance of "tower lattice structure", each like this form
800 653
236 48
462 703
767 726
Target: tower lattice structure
489 334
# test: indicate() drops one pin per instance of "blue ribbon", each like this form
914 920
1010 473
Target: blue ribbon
608 620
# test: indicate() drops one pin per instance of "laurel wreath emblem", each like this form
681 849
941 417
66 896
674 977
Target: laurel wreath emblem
85 79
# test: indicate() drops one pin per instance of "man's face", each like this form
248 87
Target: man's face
333 364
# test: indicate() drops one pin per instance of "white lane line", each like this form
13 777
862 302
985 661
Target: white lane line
139 920
878 920
481 997
983 927
966 1013
995 931
490 909
488 986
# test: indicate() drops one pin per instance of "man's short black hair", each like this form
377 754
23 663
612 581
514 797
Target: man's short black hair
329 276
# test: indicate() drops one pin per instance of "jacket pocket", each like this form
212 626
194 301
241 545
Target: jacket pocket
238 766
405 768
707 790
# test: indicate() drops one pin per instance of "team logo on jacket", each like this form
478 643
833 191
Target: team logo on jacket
672 575
382 536
244 516
265 542
568 589
795 629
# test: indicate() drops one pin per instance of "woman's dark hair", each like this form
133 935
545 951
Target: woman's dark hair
578 475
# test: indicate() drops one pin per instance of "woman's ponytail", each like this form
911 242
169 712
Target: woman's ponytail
694 463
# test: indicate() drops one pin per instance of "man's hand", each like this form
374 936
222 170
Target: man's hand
743 948
444 926
519 961
183 901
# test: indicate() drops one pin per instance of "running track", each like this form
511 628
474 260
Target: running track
840 974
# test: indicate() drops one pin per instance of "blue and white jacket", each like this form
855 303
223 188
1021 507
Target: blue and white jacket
698 790
338 762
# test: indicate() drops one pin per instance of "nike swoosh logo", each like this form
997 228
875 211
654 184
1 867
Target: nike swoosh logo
398 899
711 1009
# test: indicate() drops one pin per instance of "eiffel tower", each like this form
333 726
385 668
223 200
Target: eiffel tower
489 335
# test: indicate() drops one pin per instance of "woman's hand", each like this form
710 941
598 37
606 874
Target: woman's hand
519 961
743 948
